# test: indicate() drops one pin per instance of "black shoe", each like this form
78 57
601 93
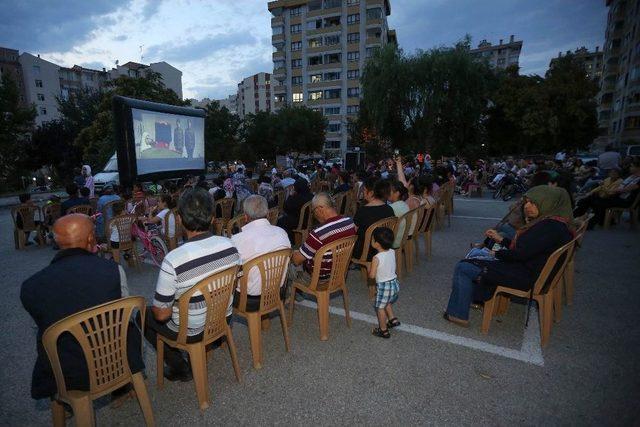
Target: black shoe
175 375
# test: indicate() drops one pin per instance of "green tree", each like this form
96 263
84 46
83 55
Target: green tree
259 136
16 123
51 145
96 140
299 130
220 132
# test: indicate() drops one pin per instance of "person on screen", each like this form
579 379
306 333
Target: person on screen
189 140
178 138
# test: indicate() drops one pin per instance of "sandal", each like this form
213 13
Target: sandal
392 323
381 333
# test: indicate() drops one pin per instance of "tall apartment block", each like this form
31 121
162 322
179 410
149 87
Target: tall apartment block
171 76
10 66
42 86
619 109
592 61
254 94
321 47
499 56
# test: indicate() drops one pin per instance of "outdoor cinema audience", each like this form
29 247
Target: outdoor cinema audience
293 206
376 193
549 226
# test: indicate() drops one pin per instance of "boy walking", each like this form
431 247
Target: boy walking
383 269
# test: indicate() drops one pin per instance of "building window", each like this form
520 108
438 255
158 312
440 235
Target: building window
352 2
295 11
331 144
315 60
297 80
371 51
353 109
334 21
353 56
353 74
375 13
353 92
315 95
43 111
330 4
332 94
296 63
295 28
296 46
36 70
298 97
331 76
278 64
332 58
40 97
353 19
38 83
332 40
315 78
317 42
353 38
279 98
277 30
314 25
333 127
330 111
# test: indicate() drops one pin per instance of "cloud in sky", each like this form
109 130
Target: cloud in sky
216 43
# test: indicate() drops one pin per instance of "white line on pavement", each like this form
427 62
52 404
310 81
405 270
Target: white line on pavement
461 199
529 353
475 217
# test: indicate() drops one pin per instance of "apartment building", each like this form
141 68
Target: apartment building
320 48
77 78
254 94
171 76
41 85
592 61
10 66
499 56
619 108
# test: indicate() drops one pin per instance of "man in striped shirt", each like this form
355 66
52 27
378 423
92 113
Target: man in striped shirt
202 255
332 228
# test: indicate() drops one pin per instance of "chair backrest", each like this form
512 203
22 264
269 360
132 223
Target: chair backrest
272 216
280 196
94 203
272 268
390 222
226 207
315 185
288 191
553 268
107 213
410 221
238 222
340 202
582 228
167 223
304 220
123 223
426 222
101 332
216 291
26 213
179 229
253 185
52 212
340 251
81 209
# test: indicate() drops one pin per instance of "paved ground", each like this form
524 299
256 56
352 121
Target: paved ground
431 372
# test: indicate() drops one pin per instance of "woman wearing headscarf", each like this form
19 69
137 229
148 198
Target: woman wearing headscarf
88 179
293 207
549 226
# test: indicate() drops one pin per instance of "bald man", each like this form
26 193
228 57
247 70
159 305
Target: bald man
75 280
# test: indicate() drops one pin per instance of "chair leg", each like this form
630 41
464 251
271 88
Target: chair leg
57 414
255 338
372 289
607 219
487 314
159 363
502 305
568 281
557 303
265 323
363 272
399 263
345 299
323 314
408 253
285 329
416 248
233 354
292 302
547 319
143 398
83 413
199 369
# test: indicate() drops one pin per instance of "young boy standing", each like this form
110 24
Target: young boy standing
383 269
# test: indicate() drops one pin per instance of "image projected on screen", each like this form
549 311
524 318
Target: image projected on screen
167 142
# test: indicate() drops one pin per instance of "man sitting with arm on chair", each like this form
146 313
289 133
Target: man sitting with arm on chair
202 255
332 227
257 238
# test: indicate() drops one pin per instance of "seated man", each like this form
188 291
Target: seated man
202 255
75 280
108 195
73 200
257 238
332 227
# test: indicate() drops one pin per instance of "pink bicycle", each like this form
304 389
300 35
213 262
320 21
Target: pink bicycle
149 242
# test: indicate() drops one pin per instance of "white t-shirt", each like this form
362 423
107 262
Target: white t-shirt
172 222
386 266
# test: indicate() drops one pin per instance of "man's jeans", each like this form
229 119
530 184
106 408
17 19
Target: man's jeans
464 291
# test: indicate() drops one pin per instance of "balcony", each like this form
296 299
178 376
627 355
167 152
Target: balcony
333 134
323 101
326 84
277 38
322 12
373 41
325 30
279 55
280 89
632 108
277 20
279 73
611 69
329 66
374 21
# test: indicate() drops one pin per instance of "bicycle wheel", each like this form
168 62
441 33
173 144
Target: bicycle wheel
159 250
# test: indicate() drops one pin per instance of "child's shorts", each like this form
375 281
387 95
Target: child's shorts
387 293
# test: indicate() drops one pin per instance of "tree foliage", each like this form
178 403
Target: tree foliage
299 130
16 123
220 132
52 145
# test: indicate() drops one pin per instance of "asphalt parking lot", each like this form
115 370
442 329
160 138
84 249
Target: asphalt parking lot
429 372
